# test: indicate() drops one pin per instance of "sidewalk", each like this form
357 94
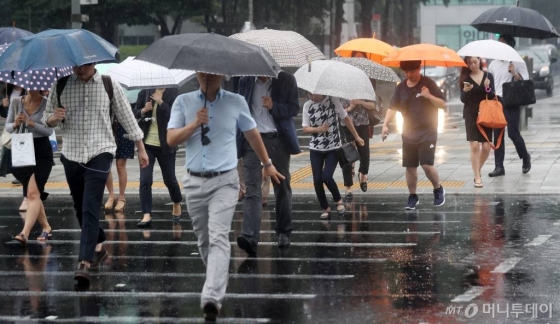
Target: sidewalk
386 176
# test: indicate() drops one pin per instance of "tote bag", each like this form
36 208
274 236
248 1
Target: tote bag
491 115
23 150
519 93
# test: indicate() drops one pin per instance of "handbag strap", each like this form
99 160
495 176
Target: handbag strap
339 126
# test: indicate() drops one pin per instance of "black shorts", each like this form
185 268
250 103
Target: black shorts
418 154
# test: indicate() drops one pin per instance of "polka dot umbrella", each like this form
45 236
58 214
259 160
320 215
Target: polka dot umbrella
41 80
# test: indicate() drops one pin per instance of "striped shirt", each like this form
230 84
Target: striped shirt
87 126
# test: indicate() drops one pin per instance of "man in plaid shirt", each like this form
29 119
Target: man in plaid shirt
88 150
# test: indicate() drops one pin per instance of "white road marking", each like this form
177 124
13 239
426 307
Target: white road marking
129 319
539 240
147 294
469 295
507 265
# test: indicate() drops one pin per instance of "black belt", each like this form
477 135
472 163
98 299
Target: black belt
209 174
270 135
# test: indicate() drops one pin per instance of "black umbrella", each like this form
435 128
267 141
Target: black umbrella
516 21
210 53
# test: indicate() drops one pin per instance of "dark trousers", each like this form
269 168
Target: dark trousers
512 115
87 183
323 164
252 204
167 166
362 130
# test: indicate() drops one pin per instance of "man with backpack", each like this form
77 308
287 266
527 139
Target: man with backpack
82 105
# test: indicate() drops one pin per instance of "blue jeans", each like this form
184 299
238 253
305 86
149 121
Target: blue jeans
323 164
87 183
167 166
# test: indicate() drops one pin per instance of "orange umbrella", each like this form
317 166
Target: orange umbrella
374 49
430 55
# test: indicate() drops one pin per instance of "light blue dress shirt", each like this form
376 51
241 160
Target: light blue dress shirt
227 113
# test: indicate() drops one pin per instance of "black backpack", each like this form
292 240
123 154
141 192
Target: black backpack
107 83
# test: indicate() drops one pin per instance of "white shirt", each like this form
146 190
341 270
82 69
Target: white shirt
87 126
262 116
499 70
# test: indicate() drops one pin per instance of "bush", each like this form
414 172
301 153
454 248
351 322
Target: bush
130 50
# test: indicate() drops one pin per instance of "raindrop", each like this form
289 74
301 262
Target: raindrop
120 285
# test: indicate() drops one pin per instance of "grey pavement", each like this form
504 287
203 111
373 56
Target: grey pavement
386 176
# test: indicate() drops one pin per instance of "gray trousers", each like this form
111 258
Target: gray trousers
211 204
252 205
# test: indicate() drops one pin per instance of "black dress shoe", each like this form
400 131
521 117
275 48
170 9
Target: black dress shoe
98 258
498 171
526 163
211 312
283 241
247 244
142 224
82 274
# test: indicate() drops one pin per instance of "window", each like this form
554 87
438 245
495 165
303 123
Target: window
457 36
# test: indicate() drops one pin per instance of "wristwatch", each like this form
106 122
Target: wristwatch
267 165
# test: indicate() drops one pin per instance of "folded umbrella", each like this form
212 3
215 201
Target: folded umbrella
490 49
56 48
210 53
515 21
373 70
138 74
333 78
288 48
10 34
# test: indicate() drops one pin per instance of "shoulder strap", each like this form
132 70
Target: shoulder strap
108 84
60 87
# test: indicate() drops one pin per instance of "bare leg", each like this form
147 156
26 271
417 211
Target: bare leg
109 184
475 160
34 207
123 177
484 153
432 174
412 179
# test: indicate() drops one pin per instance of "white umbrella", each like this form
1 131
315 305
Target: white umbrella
333 78
490 49
288 48
137 74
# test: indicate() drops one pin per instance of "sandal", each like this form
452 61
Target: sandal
341 209
110 203
21 238
120 205
477 184
44 236
349 196
363 184
326 214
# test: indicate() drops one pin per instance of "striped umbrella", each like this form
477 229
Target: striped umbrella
373 70
288 48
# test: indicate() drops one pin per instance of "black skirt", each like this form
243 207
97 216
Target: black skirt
42 170
473 133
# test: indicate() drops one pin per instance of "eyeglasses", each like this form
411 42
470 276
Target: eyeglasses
205 139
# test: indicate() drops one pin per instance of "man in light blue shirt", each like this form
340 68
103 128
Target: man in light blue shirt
206 121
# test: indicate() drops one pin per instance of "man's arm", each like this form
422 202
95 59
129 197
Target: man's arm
289 108
51 118
388 118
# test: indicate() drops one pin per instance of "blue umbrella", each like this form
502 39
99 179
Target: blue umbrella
56 48
11 34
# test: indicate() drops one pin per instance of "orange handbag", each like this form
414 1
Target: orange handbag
491 115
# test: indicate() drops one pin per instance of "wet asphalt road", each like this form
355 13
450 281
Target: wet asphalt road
376 264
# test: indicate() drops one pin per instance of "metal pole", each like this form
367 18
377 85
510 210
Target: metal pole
251 12
76 12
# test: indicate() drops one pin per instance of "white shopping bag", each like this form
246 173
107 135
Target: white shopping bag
54 143
23 150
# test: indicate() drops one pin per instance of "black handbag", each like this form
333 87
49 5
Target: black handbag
519 93
347 153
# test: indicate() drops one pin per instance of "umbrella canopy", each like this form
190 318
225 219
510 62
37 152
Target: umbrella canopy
137 74
516 21
288 48
11 34
41 80
210 53
430 55
333 78
131 95
374 49
373 70
56 48
490 49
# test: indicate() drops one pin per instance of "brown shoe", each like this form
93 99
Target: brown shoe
82 274
98 258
